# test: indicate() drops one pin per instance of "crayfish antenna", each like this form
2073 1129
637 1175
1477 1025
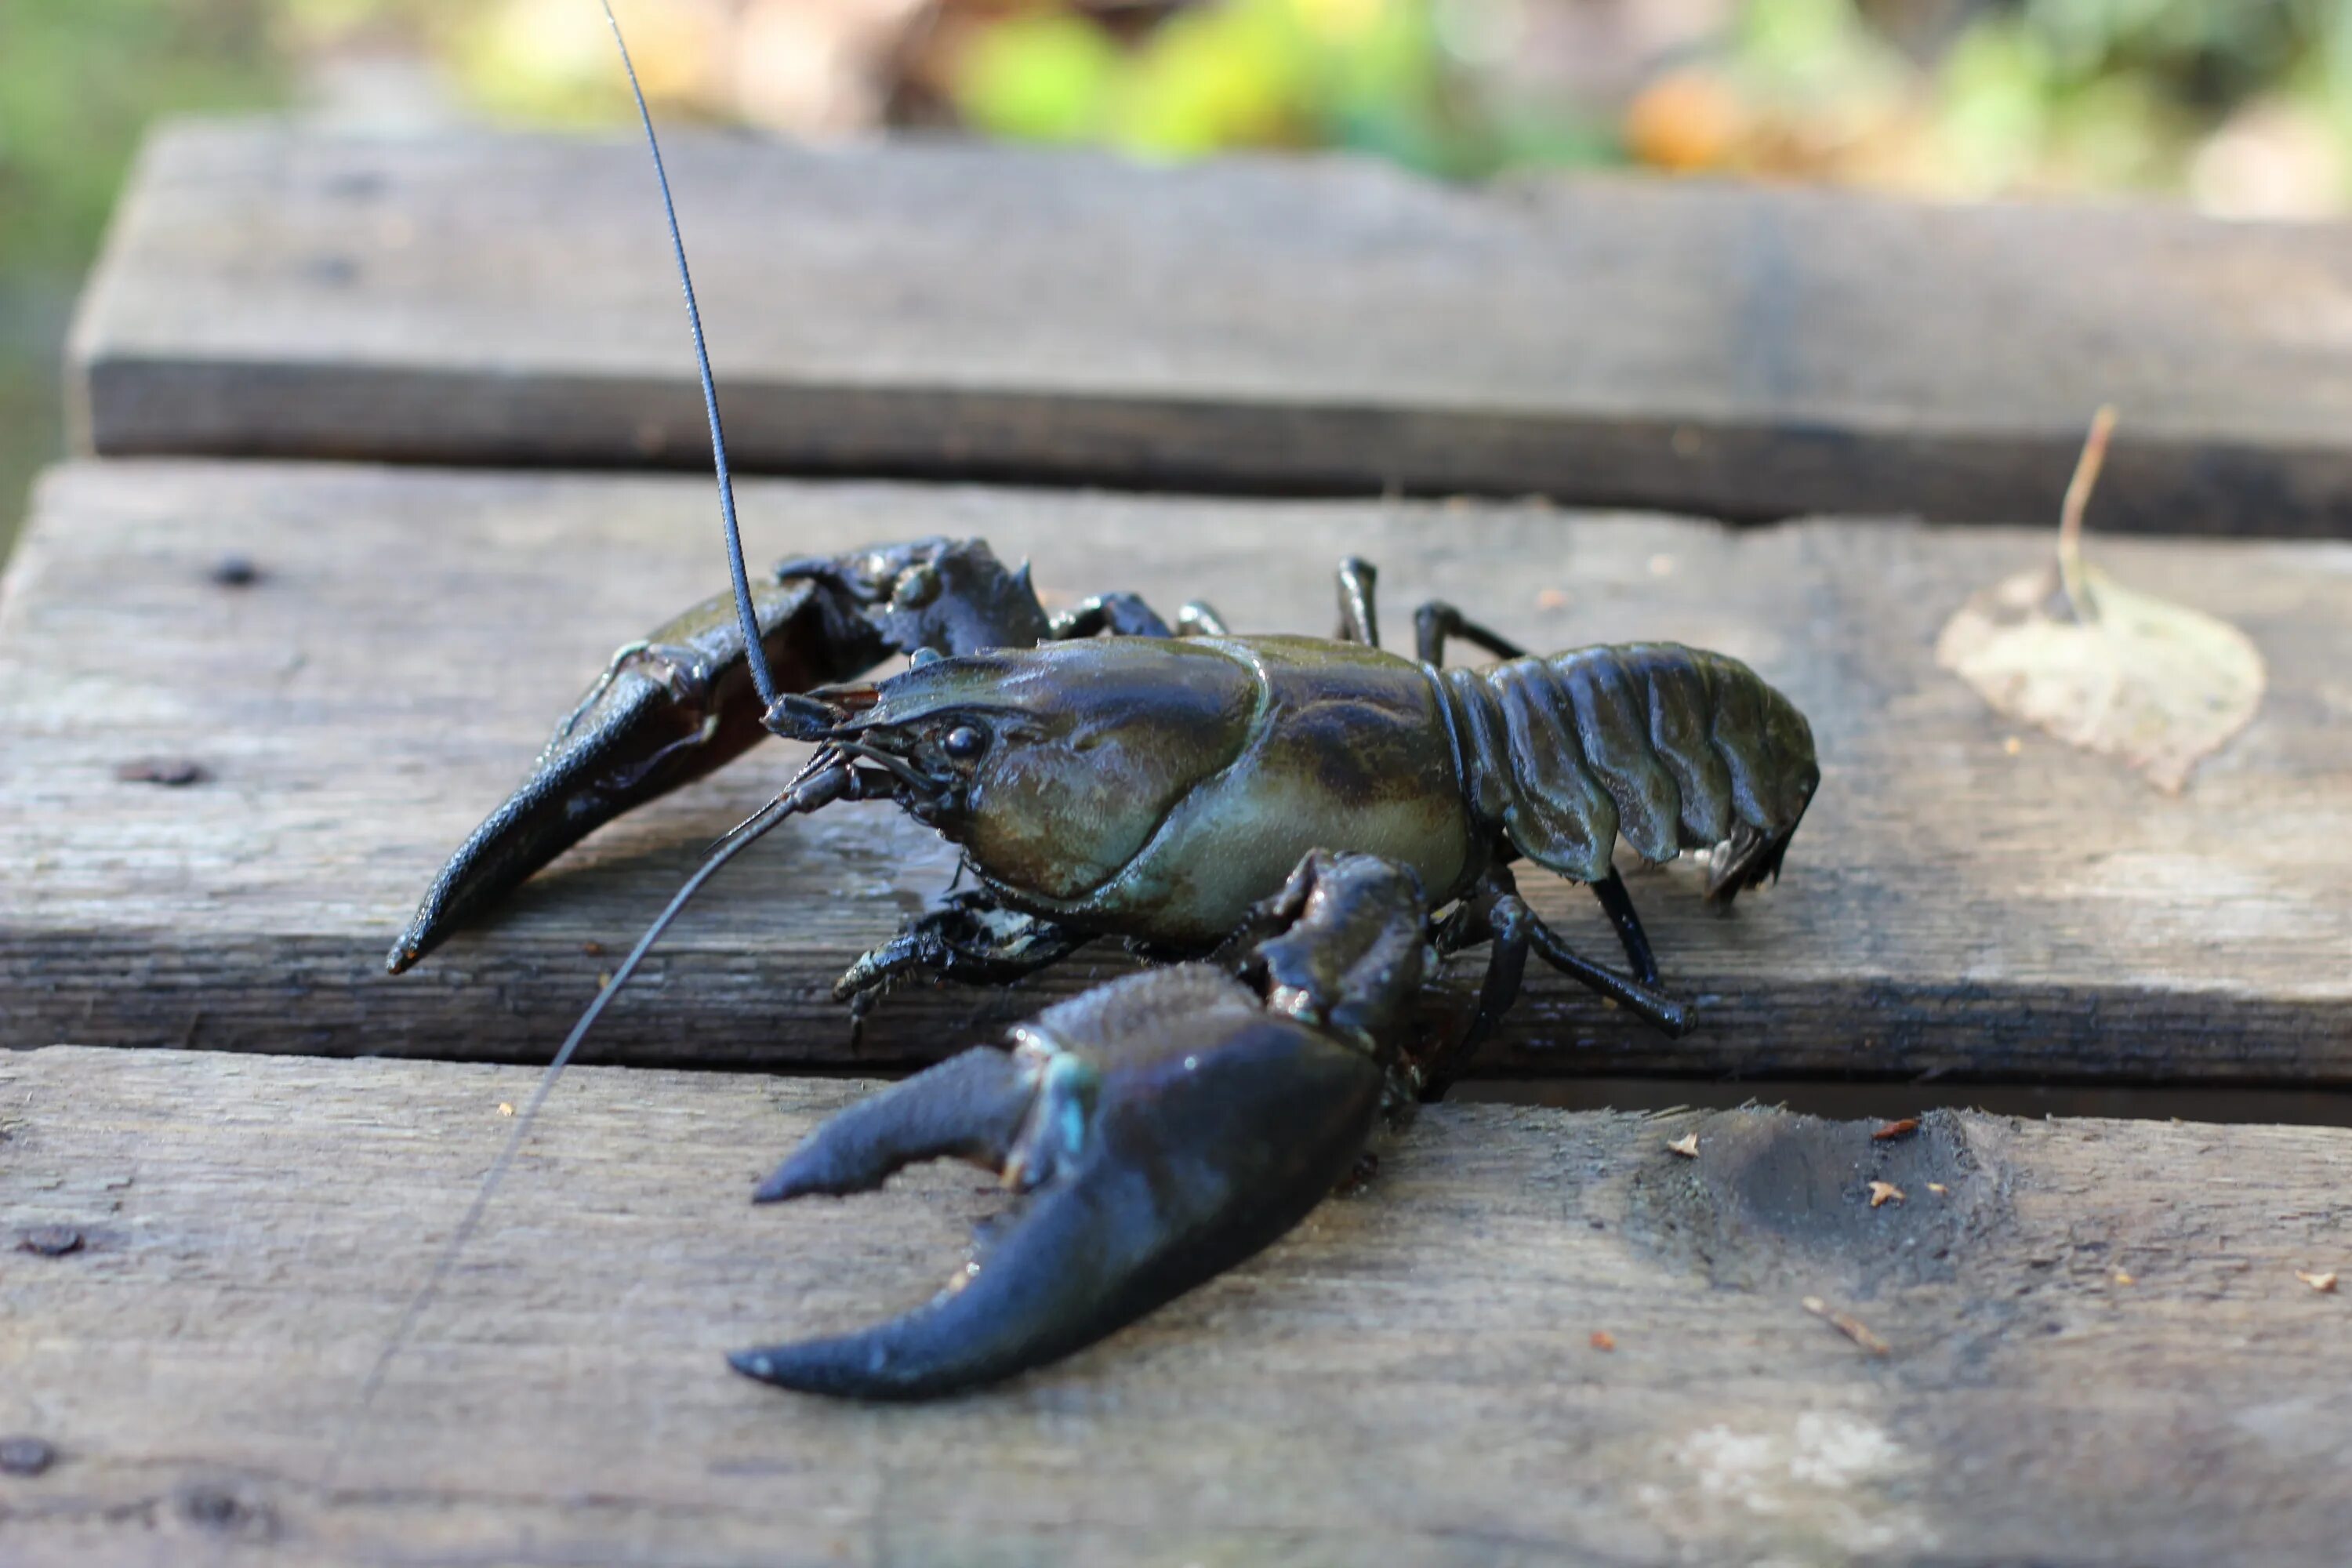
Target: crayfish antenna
762 677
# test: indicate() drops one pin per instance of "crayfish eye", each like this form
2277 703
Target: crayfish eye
965 742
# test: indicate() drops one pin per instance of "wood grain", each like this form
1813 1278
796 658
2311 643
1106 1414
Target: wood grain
1409 1378
1949 909
1250 324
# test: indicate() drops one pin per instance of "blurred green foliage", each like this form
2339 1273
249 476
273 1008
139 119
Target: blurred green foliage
2244 105
1383 77
79 79
2005 95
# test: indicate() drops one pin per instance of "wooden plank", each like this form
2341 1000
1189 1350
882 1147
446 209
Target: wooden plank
2098 1351
1266 325
1949 909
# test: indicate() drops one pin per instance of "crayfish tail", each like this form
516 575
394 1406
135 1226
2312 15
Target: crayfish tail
1752 858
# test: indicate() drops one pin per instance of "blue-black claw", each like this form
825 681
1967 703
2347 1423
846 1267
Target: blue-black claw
680 703
1164 1127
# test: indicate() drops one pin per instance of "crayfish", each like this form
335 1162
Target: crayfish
1314 824
1296 805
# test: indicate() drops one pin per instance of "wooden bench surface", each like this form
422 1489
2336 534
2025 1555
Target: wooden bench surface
1250 324
2087 1359
2080 1342
1949 908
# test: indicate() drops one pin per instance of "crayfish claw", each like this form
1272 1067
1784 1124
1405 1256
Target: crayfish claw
667 710
1164 1127
680 702
970 1107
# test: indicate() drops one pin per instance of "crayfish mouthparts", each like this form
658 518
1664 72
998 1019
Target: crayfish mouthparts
1163 1128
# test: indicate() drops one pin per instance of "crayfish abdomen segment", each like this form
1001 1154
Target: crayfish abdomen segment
1677 748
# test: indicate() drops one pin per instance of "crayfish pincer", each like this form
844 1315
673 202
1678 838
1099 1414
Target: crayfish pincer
1163 1127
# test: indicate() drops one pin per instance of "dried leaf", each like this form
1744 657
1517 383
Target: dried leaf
2323 1283
1937 1188
1884 1192
2102 666
1686 1146
505 1109
2123 1277
1895 1129
1602 1340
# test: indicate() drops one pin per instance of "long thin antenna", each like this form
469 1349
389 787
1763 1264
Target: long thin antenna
796 796
762 678
739 839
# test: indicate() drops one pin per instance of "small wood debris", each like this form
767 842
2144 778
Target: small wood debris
2123 1277
1884 1192
1937 1188
603 979
49 1241
1909 1124
25 1455
1602 1340
2323 1283
1551 599
505 1109
1686 1146
1849 1325
2012 745
592 949
173 772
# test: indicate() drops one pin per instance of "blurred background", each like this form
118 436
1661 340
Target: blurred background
2241 108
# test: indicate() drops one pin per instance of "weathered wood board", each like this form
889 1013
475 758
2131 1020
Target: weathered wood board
1249 324
2098 1351
1950 908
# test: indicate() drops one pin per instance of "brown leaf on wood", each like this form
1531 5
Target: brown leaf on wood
2102 666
